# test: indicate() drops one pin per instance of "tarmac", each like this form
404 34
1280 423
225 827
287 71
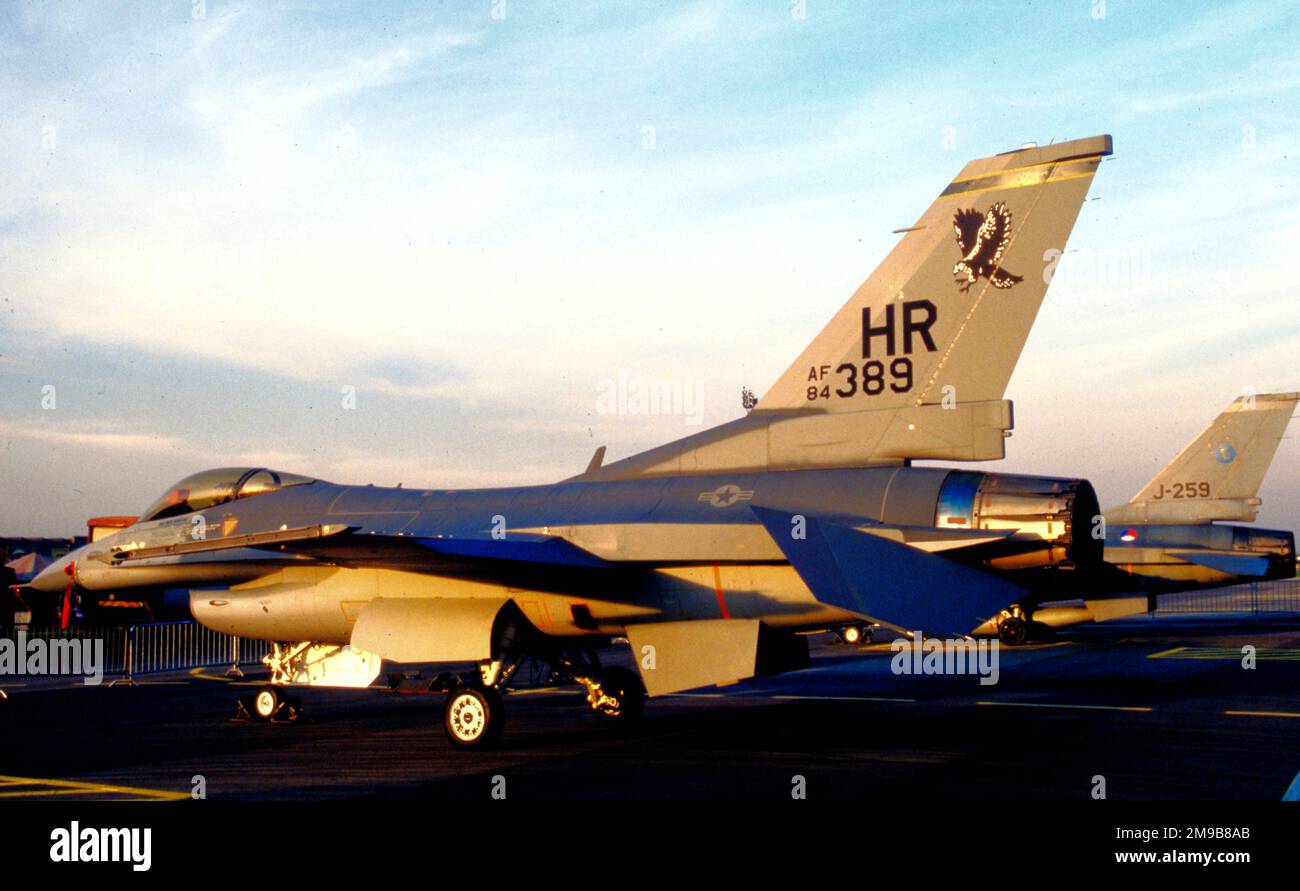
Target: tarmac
1171 716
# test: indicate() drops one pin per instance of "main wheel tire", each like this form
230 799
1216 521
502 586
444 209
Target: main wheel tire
474 717
1012 631
267 702
624 685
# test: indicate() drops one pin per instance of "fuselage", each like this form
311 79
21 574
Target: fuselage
653 549
1179 556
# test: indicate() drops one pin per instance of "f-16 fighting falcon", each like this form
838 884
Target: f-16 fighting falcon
708 554
1167 539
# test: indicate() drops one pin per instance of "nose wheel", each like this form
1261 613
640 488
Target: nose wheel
269 703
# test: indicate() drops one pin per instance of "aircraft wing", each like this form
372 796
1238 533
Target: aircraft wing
895 575
869 572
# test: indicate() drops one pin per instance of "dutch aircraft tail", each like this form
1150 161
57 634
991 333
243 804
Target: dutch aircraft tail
1217 476
915 364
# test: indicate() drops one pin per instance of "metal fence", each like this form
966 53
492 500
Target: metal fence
1259 599
130 650
176 646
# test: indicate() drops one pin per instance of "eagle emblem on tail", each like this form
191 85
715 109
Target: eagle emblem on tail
983 237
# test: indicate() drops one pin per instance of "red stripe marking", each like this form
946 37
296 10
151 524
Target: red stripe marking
65 614
717 586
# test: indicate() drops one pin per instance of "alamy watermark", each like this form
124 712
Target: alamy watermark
61 656
1129 268
932 655
103 845
629 395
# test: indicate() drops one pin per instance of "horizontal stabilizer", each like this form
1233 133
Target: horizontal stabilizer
885 580
1232 564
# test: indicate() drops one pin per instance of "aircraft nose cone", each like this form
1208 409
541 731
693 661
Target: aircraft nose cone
54 578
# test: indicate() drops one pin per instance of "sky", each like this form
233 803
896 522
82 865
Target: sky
425 243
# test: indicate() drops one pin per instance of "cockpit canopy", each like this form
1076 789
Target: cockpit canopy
212 487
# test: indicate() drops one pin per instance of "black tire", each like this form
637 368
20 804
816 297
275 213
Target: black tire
624 685
474 717
267 702
1012 631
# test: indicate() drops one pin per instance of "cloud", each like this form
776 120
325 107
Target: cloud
89 439
207 228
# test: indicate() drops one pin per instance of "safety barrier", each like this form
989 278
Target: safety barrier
176 646
1258 599
158 646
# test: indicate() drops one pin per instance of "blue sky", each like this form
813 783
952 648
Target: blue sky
216 217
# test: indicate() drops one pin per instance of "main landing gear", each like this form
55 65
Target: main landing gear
1015 628
474 714
1013 631
474 717
617 697
855 634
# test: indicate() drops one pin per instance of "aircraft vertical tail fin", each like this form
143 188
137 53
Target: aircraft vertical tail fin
952 304
1218 475
914 366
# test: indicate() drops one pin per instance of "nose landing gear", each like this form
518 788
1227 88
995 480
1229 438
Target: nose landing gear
267 702
270 703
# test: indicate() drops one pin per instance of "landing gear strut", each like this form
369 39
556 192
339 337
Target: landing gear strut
305 663
474 715
618 697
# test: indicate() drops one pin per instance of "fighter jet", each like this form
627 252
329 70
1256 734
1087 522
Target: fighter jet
708 554
1167 538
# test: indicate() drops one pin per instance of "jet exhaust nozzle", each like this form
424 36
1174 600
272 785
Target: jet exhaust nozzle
1054 518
